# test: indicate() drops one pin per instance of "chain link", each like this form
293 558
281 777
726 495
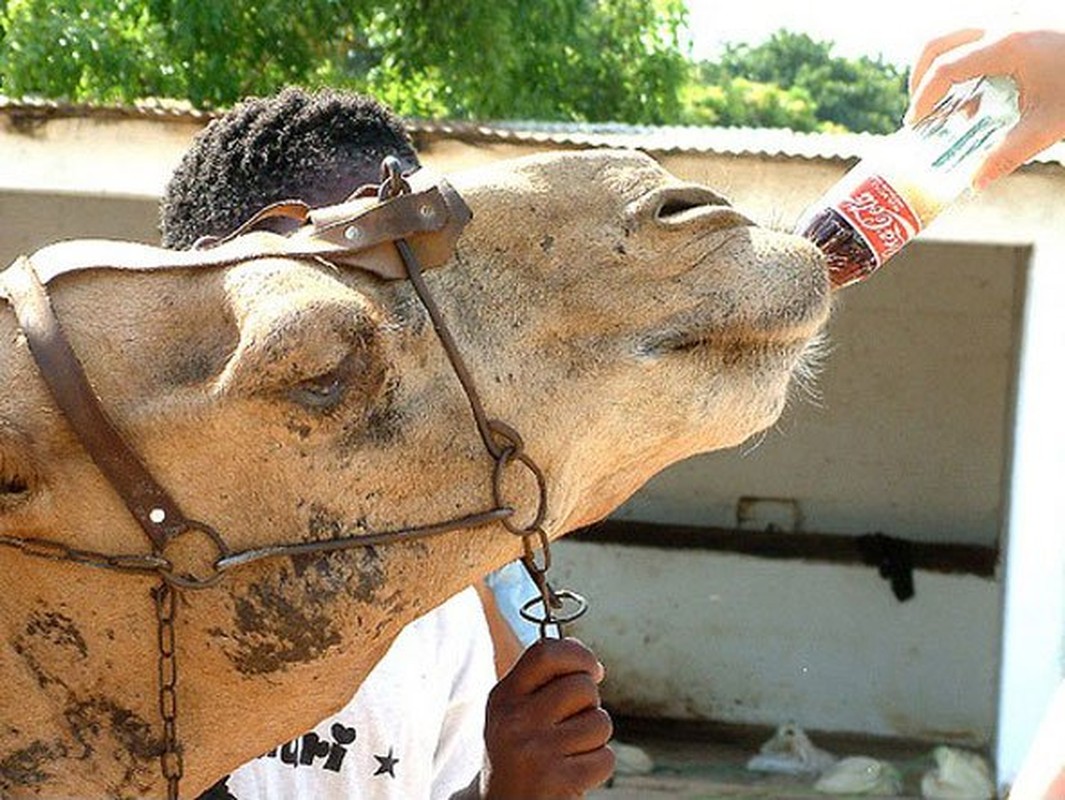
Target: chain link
392 183
553 602
56 551
170 760
513 450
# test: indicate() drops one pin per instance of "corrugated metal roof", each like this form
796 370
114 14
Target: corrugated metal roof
37 108
671 139
770 142
662 139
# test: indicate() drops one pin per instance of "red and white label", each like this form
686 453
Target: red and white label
881 216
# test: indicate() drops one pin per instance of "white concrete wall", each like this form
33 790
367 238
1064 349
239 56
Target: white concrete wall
697 636
78 177
1034 631
80 155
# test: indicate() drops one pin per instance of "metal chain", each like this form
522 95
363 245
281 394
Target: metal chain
392 183
553 602
170 759
56 551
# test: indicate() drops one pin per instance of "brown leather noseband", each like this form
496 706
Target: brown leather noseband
407 222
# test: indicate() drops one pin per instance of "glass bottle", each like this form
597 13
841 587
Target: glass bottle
891 196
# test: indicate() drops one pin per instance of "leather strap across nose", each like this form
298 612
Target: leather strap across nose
357 233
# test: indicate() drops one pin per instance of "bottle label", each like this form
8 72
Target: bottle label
880 215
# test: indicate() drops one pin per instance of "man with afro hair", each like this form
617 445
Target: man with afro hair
426 723
317 147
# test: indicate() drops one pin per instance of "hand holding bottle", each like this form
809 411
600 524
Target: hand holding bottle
894 193
1035 59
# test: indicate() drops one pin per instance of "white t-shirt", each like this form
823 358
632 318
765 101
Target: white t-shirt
413 731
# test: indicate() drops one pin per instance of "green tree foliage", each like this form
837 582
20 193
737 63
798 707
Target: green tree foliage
550 59
583 60
739 102
69 48
860 94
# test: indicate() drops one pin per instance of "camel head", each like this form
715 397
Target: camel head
616 318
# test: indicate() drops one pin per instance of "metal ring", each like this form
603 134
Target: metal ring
189 581
510 437
393 183
508 456
547 617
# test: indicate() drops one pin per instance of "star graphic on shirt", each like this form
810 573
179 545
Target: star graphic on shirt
386 764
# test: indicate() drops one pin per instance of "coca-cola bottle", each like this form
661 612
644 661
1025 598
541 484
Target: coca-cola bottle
890 196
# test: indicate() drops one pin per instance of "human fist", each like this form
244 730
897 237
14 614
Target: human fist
545 732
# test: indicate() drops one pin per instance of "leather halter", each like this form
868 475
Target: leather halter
393 232
430 217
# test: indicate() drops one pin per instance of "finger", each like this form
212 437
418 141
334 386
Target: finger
548 659
969 61
1025 140
937 47
586 771
587 731
566 696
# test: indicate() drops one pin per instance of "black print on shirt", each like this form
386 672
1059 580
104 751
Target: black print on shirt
386 765
309 748
220 791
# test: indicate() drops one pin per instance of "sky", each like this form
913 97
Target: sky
893 29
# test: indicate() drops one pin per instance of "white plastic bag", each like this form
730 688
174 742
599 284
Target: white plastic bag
630 759
860 775
958 775
789 751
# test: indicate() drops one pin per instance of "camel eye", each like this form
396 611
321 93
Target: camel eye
17 480
322 392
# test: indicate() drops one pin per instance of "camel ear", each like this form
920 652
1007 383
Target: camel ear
19 479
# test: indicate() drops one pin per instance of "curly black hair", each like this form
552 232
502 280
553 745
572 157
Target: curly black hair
317 147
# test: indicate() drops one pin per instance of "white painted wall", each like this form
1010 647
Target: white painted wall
1033 653
89 155
697 636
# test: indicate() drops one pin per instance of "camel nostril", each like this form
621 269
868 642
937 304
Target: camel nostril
675 207
680 206
687 214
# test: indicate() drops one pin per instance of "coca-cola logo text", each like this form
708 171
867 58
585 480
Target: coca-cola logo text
881 216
